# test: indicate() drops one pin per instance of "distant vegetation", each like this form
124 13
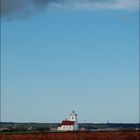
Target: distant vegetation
118 126
24 127
9 127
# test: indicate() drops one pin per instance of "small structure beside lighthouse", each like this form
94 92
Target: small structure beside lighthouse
69 125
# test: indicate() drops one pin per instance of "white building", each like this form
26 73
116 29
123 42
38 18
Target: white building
69 125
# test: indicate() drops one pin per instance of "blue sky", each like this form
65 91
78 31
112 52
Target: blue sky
69 58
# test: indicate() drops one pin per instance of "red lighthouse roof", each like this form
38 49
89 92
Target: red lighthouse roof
67 122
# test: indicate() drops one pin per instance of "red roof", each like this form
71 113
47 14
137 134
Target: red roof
67 123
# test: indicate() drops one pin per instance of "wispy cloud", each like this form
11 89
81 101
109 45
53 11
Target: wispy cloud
96 4
25 8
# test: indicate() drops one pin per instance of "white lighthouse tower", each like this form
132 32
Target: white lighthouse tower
73 117
69 125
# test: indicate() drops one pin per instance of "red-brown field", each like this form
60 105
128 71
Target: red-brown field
129 135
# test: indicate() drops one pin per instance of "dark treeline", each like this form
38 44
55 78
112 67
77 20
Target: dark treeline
41 127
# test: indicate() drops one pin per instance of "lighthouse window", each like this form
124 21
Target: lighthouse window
72 117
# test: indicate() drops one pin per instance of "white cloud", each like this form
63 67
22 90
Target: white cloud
96 4
25 8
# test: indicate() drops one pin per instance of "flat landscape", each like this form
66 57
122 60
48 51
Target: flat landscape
69 70
108 135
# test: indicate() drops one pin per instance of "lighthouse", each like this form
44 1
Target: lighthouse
73 117
69 125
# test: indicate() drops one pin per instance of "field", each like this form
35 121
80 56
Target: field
118 135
